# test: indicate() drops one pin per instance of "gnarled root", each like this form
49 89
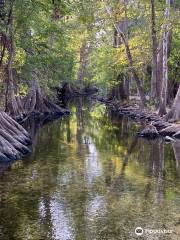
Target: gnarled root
14 139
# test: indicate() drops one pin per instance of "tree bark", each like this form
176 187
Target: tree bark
174 113
123 25
3 47
121 90
2 35
130 61
154 54
84 52
36 103
163 94
11 102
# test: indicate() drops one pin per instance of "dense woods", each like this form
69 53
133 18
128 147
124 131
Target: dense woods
124 48
90 42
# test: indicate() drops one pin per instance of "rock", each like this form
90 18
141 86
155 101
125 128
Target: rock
169 139
150 131
160 124
171 130
142 116
177 135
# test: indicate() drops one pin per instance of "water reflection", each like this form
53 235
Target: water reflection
61 220
176 148
93 166
90 177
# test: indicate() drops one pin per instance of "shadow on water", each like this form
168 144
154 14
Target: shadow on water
90 177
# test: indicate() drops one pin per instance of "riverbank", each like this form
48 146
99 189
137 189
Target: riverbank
16 138
156 126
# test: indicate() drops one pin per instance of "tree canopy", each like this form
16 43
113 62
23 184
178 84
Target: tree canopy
76 41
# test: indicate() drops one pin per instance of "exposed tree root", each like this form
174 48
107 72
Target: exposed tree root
14 139
36 103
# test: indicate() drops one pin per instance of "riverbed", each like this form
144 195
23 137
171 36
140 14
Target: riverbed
90 177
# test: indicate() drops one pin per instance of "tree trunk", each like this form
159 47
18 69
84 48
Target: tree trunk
36 103
163 94
134 74
123 25
11 102
3 47
174 113
174 5
117 39
84 52
121 90
160 65
2 35
130 61
154 53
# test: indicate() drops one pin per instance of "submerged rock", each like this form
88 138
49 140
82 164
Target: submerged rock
149 131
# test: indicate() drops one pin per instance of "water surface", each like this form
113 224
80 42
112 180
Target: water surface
89 177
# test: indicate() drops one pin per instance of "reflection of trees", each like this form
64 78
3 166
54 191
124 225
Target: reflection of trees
93 165
118 182
68 130
79 119
51 186
32 125
114 137
156 167
19 208
122 122
176 148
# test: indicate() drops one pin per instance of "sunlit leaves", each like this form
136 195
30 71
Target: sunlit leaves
52 45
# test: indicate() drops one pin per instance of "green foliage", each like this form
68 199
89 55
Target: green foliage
51 45
174 59
43 43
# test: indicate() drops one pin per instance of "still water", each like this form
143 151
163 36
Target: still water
89 177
